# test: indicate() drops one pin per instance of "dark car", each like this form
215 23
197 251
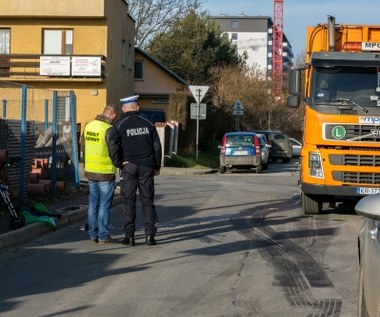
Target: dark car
240 150
279 144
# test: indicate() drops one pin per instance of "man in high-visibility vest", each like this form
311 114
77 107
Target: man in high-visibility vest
100 172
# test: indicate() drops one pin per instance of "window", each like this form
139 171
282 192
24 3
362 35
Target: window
58 42
131 56
4 52
4 41
234 24
234 36
124 53
139 70
63 109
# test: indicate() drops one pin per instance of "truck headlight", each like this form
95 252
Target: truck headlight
315 165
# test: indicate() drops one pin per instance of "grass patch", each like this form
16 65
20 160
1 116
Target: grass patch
205 160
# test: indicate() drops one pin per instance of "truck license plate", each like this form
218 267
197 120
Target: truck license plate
367 191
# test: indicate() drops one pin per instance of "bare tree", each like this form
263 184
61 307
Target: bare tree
231 83
154 17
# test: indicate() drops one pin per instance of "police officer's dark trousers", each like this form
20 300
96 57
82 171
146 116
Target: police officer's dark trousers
142 177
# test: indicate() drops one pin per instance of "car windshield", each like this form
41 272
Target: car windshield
239 140
357 87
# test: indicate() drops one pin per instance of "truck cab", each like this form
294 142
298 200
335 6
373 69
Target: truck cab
340 156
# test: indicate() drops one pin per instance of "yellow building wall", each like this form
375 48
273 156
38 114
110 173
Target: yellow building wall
89 8
99 28
156 80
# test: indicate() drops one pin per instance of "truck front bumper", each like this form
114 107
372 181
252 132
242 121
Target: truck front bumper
344 191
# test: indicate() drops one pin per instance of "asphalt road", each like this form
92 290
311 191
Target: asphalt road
228 245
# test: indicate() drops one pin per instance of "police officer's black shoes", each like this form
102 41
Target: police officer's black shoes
150 240
128 241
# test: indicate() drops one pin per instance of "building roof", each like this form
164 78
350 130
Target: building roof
162 66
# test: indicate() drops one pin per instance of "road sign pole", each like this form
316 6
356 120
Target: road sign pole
198 114
238 110
198 93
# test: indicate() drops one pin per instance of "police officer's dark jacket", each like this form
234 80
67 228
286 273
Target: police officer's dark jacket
134 139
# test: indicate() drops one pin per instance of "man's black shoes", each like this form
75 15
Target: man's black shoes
150 240
128 241
108 240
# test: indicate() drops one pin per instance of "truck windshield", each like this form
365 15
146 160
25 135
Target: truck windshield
346 86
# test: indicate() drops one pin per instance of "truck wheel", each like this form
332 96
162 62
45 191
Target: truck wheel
222 169
311 204
259 169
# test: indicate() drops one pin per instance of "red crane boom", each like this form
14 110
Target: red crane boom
277 48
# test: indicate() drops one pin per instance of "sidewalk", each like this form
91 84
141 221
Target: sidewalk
76 209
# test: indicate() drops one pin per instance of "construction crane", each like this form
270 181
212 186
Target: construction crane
277 48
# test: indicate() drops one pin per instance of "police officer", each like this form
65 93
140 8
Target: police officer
100 172
135 147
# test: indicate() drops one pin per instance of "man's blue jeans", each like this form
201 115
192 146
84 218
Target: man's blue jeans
99 207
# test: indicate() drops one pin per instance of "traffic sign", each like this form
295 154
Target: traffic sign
238 105
237 112
198 92
194 111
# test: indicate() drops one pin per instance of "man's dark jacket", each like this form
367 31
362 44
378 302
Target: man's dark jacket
134 139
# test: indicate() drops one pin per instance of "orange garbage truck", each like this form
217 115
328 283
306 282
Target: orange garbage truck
339 86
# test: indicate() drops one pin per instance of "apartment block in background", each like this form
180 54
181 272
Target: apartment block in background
253 35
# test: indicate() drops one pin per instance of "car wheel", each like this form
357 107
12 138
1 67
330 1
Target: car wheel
311 204
259 169
265 166
362 307
222 169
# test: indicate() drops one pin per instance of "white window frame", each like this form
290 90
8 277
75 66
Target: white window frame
5 35
57 42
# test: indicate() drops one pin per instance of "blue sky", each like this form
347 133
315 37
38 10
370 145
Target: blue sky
298 14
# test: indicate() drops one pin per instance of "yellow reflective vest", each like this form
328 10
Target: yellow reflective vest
96 156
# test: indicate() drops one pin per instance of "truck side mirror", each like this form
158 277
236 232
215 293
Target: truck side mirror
293 101
295 82
294 88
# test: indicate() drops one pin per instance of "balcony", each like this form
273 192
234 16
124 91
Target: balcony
34 67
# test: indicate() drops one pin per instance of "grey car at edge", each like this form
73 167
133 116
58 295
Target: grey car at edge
296 147
264 150
369 256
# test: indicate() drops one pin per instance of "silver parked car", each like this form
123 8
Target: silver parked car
296 147
264 150
369 256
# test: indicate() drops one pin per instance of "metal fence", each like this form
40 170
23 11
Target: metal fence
38 124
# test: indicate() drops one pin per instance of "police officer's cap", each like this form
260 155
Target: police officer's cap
129 99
